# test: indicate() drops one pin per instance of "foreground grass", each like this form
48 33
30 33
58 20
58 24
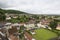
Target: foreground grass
44 34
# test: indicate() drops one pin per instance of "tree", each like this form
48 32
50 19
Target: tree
21 31
35 16
53 24
2 15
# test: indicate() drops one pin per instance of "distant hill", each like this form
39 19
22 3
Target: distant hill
12 11
15 12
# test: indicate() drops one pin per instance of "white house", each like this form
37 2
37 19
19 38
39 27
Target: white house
33 33
15 16
15 24
58 27
8 25
29 26
40 25
33 39
43 26
8 18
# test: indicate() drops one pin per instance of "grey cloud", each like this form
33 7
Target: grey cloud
2 5
37 6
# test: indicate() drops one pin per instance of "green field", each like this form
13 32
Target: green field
44 34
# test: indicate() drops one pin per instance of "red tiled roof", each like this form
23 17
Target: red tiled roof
28 36
12 37
13 30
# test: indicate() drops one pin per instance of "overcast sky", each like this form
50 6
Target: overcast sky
33 6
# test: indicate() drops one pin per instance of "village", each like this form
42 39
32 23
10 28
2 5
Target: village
29 19
13 29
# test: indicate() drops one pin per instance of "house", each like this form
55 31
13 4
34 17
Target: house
29 26
58 26
10 31
32 32
3 35
28 36
15 24
15 16
13 34
31 20
40 25
8 18
2 25
45 21
8 25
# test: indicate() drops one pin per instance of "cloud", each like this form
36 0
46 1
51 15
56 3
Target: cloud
33 6
2 5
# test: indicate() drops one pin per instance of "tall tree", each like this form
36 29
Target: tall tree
2 15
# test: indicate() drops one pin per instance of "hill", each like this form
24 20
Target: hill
12 11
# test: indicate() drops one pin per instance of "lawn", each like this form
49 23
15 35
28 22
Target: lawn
44 34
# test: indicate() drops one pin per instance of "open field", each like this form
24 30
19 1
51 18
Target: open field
44 34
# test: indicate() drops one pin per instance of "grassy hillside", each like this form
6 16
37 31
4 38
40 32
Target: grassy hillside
15 12
12 11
